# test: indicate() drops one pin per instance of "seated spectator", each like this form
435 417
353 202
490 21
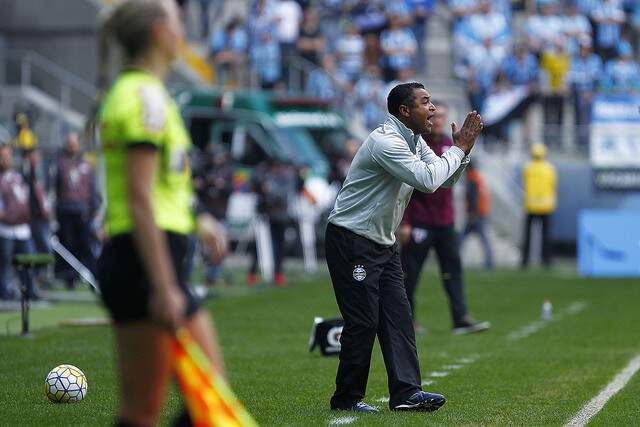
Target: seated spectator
482 65
544 28
261 18
288 15
349 52
370 91
15 234
368 16
487 24
484 30
311 43
609 18
398 46
400 9
421 11
461 10
229 52
554 63
622 75
521 68
575 26
325 83
266 61
584 76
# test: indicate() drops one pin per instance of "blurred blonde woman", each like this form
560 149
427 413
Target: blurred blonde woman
149 217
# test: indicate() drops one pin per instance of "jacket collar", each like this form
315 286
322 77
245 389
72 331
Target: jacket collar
406 133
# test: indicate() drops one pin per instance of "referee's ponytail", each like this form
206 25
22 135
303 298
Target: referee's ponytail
129 24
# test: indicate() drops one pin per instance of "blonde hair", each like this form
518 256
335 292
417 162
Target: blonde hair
129 24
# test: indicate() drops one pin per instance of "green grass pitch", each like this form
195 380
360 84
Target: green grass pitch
521 372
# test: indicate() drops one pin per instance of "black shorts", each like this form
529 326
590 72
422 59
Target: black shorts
124 284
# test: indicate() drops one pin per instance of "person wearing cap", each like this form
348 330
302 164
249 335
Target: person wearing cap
25 140
584 77
540 193
622 75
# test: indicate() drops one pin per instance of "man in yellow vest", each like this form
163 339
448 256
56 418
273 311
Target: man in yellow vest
540 190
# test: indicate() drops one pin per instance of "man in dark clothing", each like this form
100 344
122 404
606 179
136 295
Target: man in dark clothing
362 252
275 184
77 202
429 222
40 212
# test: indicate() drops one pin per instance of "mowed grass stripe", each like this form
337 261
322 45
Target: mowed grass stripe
541 380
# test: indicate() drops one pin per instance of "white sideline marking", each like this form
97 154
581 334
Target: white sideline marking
383 400
533 327
597 403
453 367
342 421
426 382
467 360
438 374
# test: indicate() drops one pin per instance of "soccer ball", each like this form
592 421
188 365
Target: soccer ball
65 383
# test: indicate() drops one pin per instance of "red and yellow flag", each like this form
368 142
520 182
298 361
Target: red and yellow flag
209 399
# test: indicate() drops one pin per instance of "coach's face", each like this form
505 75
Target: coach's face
419 115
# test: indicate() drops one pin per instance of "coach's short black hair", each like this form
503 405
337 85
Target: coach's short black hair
402 94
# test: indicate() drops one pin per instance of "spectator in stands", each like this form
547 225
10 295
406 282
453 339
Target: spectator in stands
399 47
288 15
15 234
554 63
266 61
462 9
372 51
521 68
261 18
544 28
584 77
429 222
39 208
576 27
275 183
609 18
489 28
229 52
370 91
77 203
622 74
311 43
349 52
421 11
540 192
400 10
478 206
25 139
367 15
325 83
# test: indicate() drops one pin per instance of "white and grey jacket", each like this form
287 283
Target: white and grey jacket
389 164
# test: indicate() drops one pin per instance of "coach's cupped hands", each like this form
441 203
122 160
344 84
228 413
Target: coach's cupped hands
465 137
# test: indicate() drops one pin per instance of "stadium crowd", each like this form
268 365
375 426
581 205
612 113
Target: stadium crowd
351 52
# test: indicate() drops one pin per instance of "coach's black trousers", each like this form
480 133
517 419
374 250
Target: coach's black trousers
367 281
445 241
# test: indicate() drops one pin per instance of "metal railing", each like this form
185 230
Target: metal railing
28 68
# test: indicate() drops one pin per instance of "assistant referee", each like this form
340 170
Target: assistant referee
362 253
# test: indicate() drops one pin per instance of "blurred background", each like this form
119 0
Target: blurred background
278 95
